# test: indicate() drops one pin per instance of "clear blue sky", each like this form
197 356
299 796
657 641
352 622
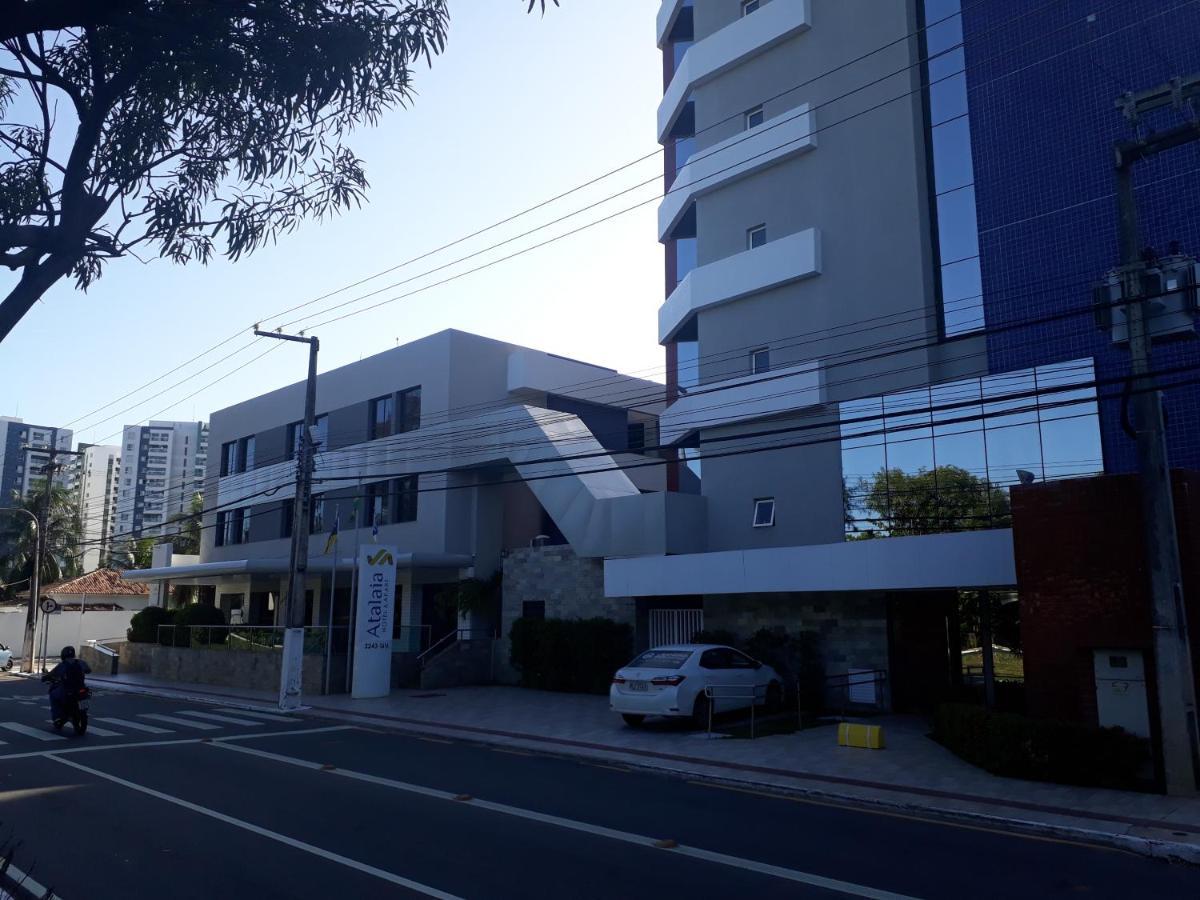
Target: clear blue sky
518 109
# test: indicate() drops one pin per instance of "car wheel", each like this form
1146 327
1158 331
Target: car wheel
774 697
700 711
8 666
633 720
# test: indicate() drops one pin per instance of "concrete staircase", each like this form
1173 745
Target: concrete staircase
466 661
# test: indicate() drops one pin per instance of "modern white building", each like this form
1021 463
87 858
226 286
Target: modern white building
163 465
23 457
98 470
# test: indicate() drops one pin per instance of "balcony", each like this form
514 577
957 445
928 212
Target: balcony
729 47
776 263
667 14
742 399
743 154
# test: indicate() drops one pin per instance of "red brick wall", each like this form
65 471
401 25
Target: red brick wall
1082 581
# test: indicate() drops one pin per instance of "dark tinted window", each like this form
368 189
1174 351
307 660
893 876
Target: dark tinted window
410 409
533 609
382 412
661 659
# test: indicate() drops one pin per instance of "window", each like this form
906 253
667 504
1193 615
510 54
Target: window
760 360
754 117
244 526
661 659
749 6
406 491
287 513
764 512
756 236
229 457
383 411
320 432
294 433
410 409
316 515
246 454
717 658
222 533
533 609
637 436
377 505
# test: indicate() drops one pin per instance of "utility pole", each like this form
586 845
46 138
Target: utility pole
290 682
1172 657
29 645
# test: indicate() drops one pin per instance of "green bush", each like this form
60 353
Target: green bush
1041 749
578 655
189 621
143 626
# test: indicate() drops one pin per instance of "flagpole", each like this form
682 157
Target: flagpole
353 598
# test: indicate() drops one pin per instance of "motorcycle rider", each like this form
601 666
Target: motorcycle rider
67 679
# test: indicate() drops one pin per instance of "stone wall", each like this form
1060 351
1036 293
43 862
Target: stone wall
247 669
852 629
572 587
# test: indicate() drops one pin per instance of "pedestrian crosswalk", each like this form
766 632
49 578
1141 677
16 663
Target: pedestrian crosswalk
178 722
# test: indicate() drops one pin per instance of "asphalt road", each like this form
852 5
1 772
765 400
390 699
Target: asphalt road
260 807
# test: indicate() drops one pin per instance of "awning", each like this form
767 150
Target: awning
317 565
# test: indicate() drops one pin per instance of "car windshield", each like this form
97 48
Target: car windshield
661 659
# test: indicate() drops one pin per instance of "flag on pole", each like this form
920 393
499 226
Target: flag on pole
331 541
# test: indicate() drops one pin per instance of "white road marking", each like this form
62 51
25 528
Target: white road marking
136 726
134 745
255 714
228 720
103 732
40 733
28 882
628 837
382 874
175 720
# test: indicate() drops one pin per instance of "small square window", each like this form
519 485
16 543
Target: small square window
754 117
756 236
749 6
764 512
760 360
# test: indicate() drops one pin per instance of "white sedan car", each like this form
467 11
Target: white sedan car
671 681
6 658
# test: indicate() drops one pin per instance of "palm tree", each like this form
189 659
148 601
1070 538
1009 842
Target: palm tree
185 534
18 538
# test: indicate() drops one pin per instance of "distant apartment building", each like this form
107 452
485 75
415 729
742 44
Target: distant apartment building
163 465
23 457
98 470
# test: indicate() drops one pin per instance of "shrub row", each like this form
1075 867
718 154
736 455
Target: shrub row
1041 749
578 655
144 626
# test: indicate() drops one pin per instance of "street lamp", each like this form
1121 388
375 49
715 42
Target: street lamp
34 582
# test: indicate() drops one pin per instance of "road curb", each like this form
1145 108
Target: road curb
1171 851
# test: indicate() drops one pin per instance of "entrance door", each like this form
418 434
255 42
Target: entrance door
919 658
439 615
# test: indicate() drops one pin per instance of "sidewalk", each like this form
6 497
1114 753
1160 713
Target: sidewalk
913 774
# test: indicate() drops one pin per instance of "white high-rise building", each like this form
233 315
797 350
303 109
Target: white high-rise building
162 468
99 476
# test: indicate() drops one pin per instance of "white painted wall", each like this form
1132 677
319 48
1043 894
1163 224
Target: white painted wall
66 628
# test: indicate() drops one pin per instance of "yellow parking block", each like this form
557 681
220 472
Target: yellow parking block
869 737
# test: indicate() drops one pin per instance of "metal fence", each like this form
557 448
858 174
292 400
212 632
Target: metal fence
752 692
254 638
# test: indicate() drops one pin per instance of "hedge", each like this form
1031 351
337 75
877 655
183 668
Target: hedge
143 626
1042 749
578 655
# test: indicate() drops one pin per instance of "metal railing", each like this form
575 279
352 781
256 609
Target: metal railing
848 680
447 641
411 638
751 692
254 638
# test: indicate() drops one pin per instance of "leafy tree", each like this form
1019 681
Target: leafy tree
929 501
133 554
184 529
18 539
177 125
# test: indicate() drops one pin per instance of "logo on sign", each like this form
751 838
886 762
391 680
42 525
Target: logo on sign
382 557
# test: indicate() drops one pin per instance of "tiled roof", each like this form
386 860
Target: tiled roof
101 581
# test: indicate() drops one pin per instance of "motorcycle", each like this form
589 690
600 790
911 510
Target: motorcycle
74 709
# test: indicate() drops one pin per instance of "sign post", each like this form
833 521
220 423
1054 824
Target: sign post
374 614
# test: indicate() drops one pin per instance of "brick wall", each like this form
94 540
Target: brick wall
1082 580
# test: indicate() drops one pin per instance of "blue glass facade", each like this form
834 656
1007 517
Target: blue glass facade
1042 80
